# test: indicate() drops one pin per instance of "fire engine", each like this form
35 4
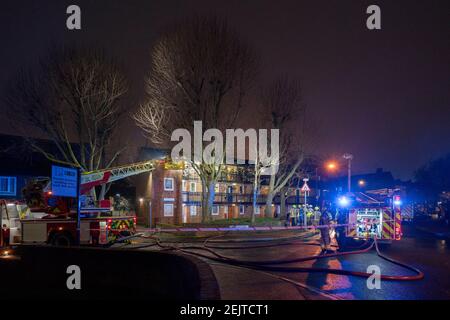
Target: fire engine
46 218
374 214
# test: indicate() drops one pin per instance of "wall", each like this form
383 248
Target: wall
106 274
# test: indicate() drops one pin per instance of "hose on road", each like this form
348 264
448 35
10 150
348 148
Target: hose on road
268 265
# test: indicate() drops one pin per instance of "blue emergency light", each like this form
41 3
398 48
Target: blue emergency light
397 201
343 201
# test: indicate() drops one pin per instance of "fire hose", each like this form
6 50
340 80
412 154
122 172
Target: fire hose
268 265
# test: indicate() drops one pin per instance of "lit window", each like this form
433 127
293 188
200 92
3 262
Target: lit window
225 209
241 209
193 210
216 187
168 184
215 210
193 187
8 186
168 209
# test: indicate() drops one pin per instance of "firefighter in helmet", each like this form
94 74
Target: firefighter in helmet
341 219
324 222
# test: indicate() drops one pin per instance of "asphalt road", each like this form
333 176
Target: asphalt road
419 249
430 255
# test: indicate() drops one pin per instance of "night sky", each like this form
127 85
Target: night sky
382 95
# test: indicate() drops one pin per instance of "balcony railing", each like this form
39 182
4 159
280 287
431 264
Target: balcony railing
240 176
239 198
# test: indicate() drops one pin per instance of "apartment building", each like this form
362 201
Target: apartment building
172 193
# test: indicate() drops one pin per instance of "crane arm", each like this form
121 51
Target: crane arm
92 179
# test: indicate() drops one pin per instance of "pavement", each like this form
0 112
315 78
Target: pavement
239 283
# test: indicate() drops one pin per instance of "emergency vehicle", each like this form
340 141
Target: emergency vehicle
43 218
373 215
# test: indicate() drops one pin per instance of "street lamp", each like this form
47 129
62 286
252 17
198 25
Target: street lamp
349 158
361 183
331 166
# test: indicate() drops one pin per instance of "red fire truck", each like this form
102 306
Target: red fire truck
373 214
43 218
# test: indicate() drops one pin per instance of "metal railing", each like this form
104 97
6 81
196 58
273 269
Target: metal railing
237 198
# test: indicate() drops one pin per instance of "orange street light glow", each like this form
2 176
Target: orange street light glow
331 166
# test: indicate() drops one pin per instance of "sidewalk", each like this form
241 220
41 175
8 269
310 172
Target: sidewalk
237 283
218 236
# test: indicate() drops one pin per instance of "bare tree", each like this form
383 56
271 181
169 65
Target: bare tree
74 99
282 102
201 70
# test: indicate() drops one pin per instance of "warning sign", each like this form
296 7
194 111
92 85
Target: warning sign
305 188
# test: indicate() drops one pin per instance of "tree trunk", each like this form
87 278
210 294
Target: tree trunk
270 196
283 203
268 211
208 195
255 200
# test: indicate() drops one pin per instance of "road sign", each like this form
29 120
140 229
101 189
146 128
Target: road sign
305 188
64 181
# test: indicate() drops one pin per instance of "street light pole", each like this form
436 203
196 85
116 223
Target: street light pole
317 187
305 180
349 158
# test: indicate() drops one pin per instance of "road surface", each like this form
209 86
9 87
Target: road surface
421 250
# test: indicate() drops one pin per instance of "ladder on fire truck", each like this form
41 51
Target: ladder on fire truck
95 178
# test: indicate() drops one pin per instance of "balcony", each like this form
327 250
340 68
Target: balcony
240 175
239 198
223 198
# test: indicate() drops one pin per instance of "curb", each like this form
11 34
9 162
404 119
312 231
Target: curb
209 286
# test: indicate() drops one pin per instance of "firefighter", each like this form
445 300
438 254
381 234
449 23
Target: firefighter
325 222
288 218
310 214
316 214
341 218
294 217
301 215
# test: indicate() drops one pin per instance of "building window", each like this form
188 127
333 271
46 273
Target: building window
225 209
193 210
8 186
241 189
257 210
241 209
183 185
215 210
168 209
192 187
216 188
168 184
